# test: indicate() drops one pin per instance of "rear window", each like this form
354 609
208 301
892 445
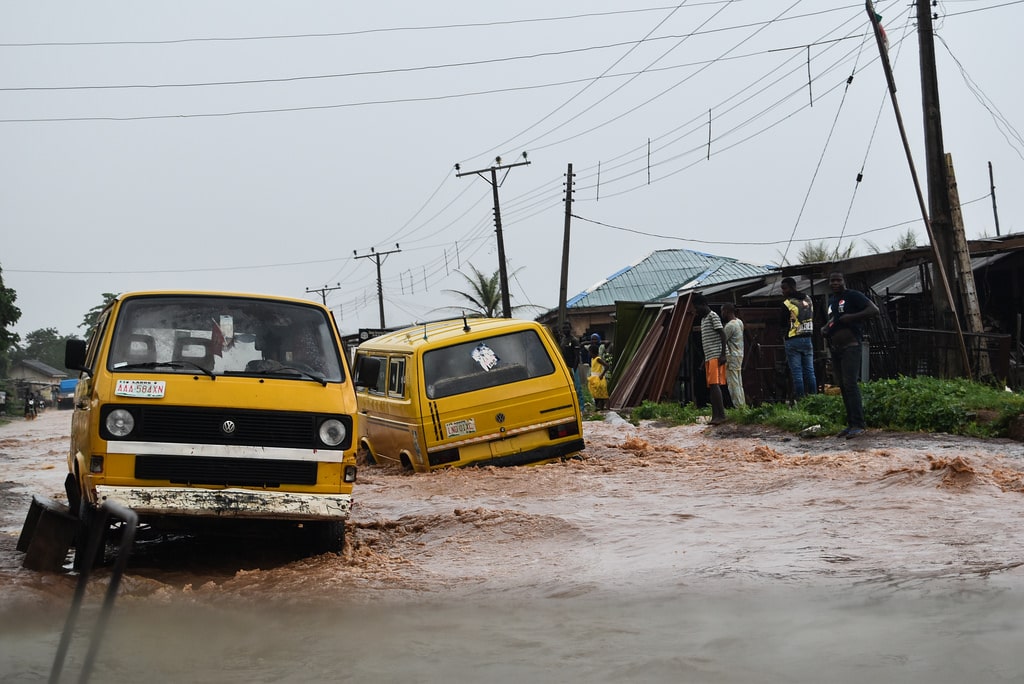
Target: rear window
484 363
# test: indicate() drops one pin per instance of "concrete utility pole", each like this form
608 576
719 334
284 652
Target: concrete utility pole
506 304
378 258
564 285
322 291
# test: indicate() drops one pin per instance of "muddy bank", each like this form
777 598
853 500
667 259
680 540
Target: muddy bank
665 554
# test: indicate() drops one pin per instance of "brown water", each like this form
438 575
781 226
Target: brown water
685 554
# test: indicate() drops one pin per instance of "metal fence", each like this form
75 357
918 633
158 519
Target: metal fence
929 352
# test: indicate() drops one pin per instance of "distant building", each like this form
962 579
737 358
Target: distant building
36 377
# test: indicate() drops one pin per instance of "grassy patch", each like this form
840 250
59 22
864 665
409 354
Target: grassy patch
900 404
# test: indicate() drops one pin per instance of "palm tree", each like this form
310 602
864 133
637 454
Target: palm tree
483 296
817 252
907 240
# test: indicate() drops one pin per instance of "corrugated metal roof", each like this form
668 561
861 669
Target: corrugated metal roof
907 281
804 284
663 272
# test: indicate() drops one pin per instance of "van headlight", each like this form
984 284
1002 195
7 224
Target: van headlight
120 423
332 432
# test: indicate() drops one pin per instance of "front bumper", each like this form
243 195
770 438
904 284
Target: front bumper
228 503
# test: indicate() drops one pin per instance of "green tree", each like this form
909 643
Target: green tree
9 315
89 321
483 296
46 345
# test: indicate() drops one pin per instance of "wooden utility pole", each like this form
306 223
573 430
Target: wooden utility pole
378 257
506 303
564 284
935 159
968 290
940 270
992 189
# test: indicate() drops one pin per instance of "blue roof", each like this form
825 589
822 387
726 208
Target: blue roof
662 273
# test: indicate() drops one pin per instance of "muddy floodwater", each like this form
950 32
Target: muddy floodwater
665 554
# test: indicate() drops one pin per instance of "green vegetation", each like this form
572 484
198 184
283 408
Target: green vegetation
671 413
901 404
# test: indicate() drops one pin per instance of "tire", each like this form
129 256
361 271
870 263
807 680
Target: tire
364 456
88 517
327 536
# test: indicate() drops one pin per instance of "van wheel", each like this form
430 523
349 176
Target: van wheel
364 456
327 536
88 518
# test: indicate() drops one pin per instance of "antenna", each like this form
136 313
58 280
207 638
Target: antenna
465 323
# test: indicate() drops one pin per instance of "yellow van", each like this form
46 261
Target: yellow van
466 392
195 407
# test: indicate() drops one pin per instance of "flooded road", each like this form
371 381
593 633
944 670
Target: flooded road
667 554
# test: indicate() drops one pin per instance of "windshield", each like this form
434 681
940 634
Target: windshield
224 335
490 362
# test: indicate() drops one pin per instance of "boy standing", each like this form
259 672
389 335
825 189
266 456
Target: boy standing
712 337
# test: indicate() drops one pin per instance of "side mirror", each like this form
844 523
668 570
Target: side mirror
74 355
367 371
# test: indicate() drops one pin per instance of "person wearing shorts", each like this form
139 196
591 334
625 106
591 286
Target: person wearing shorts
712 338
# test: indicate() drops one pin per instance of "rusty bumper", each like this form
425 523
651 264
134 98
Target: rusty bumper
228 503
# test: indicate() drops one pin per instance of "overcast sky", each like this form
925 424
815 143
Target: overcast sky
254 146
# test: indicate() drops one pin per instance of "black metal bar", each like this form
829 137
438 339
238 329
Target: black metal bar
96 536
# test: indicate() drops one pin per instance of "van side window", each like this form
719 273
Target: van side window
93 347
396 377
380 387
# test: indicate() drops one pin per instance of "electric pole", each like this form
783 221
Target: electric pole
506 304
935 154
937 257
378 257
322 291
564 285
992 186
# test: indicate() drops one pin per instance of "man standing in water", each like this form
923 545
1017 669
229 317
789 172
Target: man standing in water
712 338
847 309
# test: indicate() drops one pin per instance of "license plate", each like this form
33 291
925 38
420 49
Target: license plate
459 428
151 389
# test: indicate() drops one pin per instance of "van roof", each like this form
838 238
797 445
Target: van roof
215 293
451 330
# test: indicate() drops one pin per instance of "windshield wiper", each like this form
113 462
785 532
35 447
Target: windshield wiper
291 371
165 364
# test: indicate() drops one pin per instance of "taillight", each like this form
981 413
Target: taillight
564 430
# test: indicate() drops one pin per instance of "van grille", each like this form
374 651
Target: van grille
182 425
229 472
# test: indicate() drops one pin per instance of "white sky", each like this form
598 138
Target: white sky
345 134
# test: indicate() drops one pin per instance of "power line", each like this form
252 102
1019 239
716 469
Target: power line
348 33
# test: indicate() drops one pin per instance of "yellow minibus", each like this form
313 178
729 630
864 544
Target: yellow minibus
476 391
198 407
